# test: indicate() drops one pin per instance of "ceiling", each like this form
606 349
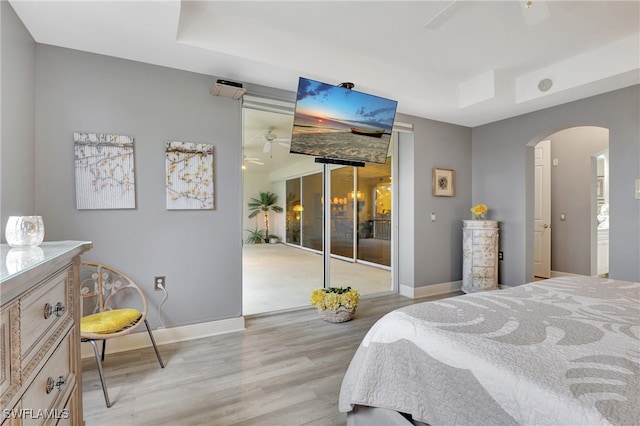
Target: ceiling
462 62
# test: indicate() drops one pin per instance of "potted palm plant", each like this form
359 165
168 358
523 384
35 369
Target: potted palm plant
255 236
265 203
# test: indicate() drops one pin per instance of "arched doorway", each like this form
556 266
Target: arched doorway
577 241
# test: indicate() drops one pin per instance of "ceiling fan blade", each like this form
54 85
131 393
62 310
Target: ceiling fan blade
259 136
259 163
267 147
444 15
286 144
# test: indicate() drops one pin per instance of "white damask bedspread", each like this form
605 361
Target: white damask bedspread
564 351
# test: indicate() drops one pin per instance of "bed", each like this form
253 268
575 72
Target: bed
563 351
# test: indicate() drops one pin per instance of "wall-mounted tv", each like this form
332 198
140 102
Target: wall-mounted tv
336 123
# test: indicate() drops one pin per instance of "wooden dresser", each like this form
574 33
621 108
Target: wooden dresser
40 374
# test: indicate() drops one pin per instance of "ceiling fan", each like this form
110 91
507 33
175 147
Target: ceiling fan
252 160
271 137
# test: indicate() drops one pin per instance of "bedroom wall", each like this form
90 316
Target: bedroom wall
571 189
17 150
199 252
431 252
502 164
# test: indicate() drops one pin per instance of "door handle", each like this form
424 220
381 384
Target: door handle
545 226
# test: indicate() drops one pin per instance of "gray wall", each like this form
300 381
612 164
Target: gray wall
17 147
199 252
503 177
431 252
405 190
571 190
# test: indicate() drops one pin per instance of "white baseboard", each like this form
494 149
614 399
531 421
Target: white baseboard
430 290
163 336
556 274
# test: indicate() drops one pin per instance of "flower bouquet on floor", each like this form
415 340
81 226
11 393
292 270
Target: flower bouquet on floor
335 304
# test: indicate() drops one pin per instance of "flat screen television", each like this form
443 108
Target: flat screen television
340 125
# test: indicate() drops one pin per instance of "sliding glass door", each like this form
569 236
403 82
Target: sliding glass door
374 214
336 229
342 212
358 234
361 228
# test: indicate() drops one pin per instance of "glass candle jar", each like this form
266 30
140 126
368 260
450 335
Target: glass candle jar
24 231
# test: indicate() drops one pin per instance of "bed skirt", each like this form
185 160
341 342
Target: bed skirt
374 416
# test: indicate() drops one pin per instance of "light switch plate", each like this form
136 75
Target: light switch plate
638 189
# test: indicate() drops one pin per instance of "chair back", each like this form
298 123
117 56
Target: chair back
104 288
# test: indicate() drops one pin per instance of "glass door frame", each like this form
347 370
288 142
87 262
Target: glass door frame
326 243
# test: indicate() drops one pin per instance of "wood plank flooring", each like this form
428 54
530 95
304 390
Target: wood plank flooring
284 369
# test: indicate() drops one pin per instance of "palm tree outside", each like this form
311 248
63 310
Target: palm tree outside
264 204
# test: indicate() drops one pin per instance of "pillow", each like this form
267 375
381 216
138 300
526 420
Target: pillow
109 321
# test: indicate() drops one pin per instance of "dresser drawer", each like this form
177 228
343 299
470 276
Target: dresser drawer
9 352
484 255
42 312
52 386
65 417
488 237
5 351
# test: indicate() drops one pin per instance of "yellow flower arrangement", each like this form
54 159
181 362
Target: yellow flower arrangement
334 297
479 211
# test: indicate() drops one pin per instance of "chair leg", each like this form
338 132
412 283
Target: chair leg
146 323
104 347
104 384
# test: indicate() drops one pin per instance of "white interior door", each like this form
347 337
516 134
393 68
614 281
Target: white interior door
542 229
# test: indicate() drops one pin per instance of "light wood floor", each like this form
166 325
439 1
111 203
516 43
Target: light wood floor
284 369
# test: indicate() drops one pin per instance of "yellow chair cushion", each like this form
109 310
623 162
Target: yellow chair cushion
109 321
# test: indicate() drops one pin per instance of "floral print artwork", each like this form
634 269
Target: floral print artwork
189 174
104 167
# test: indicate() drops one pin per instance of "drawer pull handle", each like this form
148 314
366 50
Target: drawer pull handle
59 309
48 310
55 383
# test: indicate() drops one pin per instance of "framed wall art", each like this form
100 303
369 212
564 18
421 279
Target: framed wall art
443 182
189 169
105 172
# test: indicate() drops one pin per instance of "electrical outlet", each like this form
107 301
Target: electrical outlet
500 255
158 282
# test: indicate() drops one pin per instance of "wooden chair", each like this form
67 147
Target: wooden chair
117 305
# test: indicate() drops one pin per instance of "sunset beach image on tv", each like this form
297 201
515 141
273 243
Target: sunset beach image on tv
337 123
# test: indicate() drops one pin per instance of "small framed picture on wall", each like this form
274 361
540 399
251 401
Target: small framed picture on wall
443 182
